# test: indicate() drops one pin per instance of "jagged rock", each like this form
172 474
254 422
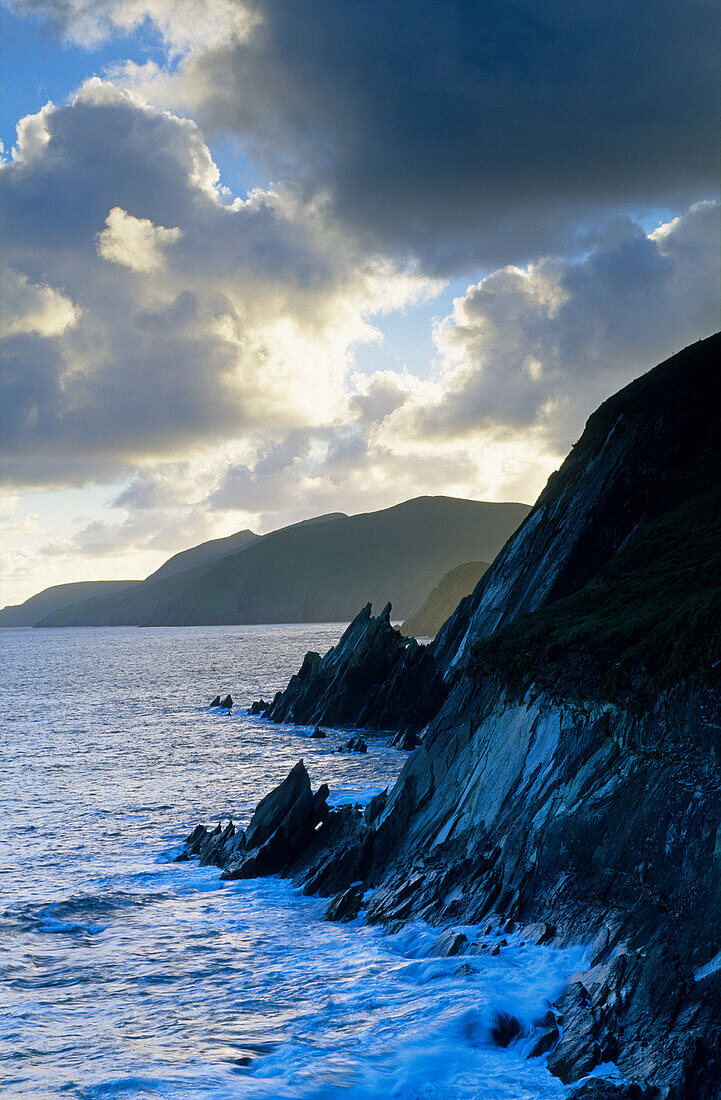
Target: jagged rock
281 828
197 833
258 707
227 703
406 741
212 849
340 854
373 678
546 1035
579 1049
375 807
318 732
598 1089
216 701
272 810
346 905
211 846
541 932
450 943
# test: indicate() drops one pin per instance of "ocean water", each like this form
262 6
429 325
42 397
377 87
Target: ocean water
127 975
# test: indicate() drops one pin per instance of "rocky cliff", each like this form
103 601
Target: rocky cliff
567 784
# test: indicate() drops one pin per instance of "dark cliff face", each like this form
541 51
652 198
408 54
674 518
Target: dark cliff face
615 480
601 822
645 453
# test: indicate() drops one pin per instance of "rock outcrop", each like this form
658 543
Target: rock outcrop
281 828
373 677
642 453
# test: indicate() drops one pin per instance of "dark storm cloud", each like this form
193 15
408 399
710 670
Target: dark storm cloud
475 131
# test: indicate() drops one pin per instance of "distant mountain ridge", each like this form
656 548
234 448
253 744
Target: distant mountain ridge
204 553
314 571
57 597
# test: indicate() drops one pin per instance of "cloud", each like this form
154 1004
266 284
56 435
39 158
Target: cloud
34 309
538 348
461 133
153 314
183 24
523 357
134 242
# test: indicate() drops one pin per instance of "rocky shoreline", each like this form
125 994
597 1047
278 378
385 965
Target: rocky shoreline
415 853
566 791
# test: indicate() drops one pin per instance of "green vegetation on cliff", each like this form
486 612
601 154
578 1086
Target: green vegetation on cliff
651 618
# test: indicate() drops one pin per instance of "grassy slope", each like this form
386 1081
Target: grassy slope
443 600
204 553
652 618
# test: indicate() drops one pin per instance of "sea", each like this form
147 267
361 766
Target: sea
125 974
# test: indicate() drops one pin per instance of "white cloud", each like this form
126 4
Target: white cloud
32 308
134 242
539 348
184 24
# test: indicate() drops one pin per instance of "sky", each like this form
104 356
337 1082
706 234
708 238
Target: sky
266 259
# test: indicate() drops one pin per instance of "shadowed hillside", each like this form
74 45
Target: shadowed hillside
317 571
444 599
204 553
58 596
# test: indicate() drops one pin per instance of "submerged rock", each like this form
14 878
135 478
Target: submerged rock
258 707
505 1029
356 744
318 733
450 943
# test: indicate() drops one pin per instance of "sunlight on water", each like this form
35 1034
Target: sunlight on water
127 975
